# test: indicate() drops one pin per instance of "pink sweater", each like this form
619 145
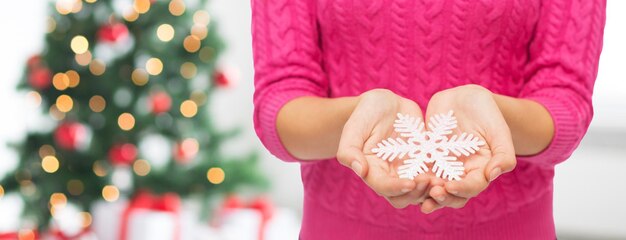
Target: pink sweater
544 50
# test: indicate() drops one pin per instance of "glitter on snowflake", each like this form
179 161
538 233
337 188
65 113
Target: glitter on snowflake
428 146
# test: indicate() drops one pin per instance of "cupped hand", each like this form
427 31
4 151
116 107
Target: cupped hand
371 122
477 113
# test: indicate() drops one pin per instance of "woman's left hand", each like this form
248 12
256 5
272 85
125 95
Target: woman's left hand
477 113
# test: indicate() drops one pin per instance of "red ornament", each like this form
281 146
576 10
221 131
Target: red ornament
71 135
224 78
160 102
34 61
40 78
122 154
112 32
186 150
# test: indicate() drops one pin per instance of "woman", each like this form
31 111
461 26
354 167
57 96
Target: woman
332 74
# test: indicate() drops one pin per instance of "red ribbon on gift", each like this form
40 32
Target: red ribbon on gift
169 202
261 204
17 235
9 236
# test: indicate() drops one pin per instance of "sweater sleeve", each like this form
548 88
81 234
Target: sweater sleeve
562 69
287 63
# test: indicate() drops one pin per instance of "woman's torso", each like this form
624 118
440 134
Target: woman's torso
417 48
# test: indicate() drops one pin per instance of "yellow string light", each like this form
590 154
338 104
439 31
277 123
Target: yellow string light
64 103
97 103
140 77
216 175
199 31
131 16
99 169
46 150
83 59
51 25
154 66
60 81
27 188
141 6
79 44
201 17
141 167
188 70
191 43
74 78
206 53
177 7
97 67
35 96
165 32
78 5
110 193
1 191
126 121
188 108
55 113
87 219
58 200
91 1
198 97
50 164
64 7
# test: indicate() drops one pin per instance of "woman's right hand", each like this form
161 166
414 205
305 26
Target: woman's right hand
372 121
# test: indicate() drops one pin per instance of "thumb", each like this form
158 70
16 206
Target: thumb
350 150
503 154
353 158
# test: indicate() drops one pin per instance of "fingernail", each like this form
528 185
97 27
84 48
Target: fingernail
454 192
494 174
440 198
404 190
357 168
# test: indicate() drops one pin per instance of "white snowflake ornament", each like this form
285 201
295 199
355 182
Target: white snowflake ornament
428 146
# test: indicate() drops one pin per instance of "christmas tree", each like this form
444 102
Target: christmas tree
126 85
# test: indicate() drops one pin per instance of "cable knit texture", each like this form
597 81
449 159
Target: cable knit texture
543 50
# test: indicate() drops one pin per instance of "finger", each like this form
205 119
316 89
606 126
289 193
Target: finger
503 153
397 203
443 198
415 197
353 158
501 162
401 201
470 186
412 107
350 149
422 183
429 206
389 186
436 181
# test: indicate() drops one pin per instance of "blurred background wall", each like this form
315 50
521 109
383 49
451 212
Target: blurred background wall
589 187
